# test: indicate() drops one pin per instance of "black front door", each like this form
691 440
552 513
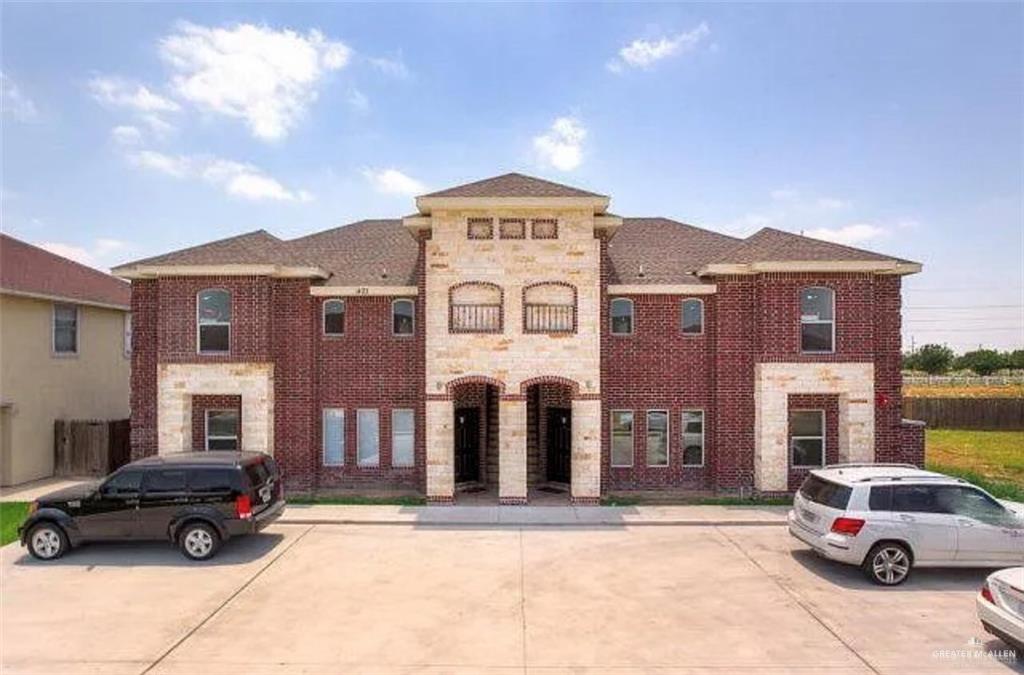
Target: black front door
467 445
559 444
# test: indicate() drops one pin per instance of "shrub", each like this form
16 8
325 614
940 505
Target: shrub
981 361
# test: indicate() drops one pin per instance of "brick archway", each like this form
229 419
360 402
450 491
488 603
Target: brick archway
452 385
573 385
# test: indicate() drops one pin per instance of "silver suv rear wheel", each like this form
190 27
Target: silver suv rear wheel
888 564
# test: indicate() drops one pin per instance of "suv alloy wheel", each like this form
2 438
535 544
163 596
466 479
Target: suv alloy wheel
47 541
198 541
888 564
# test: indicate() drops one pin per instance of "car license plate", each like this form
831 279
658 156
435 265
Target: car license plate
808 516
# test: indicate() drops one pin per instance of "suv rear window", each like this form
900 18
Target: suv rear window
826 493
257 474
213 480
880 498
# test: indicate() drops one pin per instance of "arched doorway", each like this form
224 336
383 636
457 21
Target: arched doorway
549 434
475 404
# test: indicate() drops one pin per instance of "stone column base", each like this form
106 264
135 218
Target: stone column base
585 501
512 501
440 500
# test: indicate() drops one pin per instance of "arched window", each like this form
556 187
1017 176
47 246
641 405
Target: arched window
403 317
334 317
693 316
475 307
817 319
213 319
549 308
622 316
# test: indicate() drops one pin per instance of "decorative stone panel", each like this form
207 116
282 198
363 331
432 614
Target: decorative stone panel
853 383
440 433
586 450
512 451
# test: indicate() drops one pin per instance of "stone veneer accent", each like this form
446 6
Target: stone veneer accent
440 433
178 382
512 451
586 450
853 383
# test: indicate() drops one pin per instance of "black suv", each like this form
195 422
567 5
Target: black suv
195 499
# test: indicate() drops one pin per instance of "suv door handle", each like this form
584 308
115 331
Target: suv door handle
964 522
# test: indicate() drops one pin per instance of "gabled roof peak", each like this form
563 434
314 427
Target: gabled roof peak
512 185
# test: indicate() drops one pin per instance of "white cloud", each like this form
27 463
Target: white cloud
115 91
395 67
93 256
854 234
264 76
126 135
562 146
14 102
645 53
237 179
358 101
394 182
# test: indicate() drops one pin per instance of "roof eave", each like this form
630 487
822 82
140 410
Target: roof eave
427 204
131 272
894 267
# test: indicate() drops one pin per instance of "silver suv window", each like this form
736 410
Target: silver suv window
827 493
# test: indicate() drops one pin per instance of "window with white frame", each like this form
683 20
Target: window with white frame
221 429
127 334
334 436
817 320
807 438
621 316
622 438
403 317
693 316
657 438
334 317
693 437
213 318
65 329
368 437
403 434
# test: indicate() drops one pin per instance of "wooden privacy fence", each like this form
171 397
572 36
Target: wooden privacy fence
996 414
90 447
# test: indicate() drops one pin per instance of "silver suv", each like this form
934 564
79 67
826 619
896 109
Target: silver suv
888 518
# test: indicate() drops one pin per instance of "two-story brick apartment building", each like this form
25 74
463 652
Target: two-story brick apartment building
513 333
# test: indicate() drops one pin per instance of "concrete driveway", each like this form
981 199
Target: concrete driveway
493 599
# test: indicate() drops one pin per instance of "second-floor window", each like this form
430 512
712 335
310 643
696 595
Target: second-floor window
817 320
213 316
65 329
403 317
334 317
621 316
549 308
475 307
693 317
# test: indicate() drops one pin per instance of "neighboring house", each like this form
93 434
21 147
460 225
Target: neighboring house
64 353
513 333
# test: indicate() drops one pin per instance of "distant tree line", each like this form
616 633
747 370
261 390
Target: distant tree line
940 359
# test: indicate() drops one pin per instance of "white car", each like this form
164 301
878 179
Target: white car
888 518
1001 606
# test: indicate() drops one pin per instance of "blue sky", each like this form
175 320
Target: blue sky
130 130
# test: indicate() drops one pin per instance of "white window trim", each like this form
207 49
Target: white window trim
206 430
412 434
359 461
682 306
323 436
53 330
668 438
611 438
323 317
815 322
395 302
199 325
703 436
632 316
823 437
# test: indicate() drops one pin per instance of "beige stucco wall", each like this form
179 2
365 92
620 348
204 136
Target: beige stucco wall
41 387
513 356
177 383
853 383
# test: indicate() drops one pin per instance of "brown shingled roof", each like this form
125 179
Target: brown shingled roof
513 185
29 269
369 252
258 247
769 244
669 251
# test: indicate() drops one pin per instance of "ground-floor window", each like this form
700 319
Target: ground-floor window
693 437
368 437
657 438
222 429
403 424
334 436
807 438
622 438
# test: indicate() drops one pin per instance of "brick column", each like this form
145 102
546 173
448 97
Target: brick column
586 451
440 428
512 450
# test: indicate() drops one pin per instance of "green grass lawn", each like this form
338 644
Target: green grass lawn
993 460
11 515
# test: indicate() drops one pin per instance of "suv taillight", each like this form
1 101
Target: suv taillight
849 526
243 507
986 593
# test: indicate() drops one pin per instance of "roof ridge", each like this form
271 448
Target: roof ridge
500 185
685 224
63 259
186 249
